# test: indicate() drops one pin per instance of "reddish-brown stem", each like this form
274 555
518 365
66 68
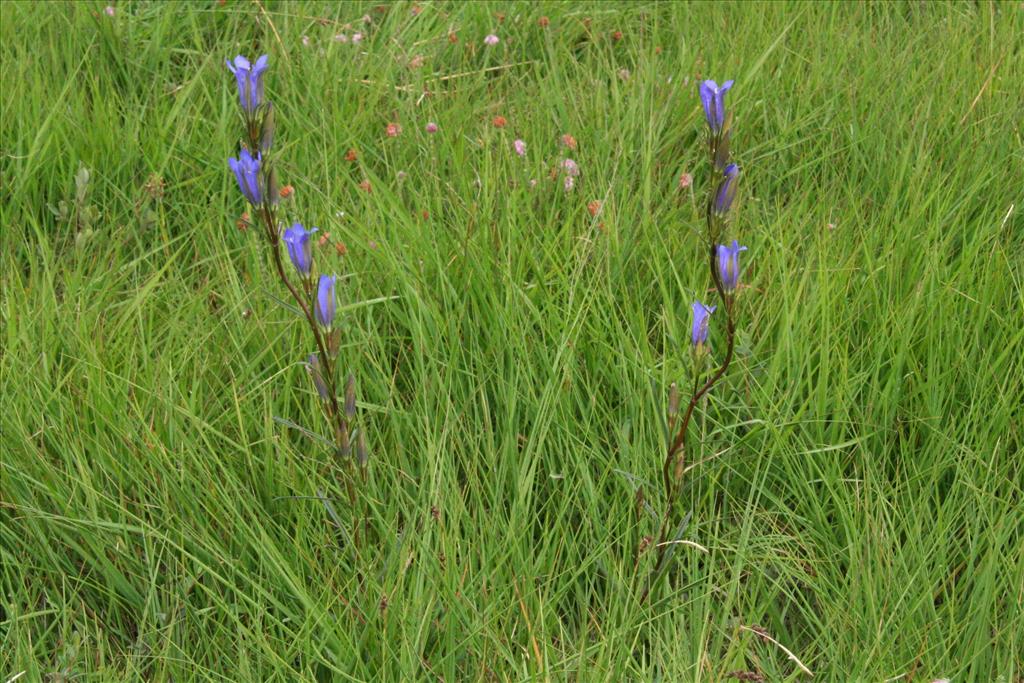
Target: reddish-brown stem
333 409
675 457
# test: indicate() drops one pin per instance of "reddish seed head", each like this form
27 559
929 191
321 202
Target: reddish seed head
685 180
499 121
569 141
617 36
426 215
324 239
452 37
393 130
543 22
340 248
287 191
365 187
431 127
657 50
594 207
416 62
351 155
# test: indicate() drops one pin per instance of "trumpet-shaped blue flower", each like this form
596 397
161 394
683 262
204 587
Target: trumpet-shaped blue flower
729 265
713 98
300 249
250 81
701 319
247 172
726 189
325 301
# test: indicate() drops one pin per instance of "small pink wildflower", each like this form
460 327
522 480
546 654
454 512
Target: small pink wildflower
357 37
520 147
491 39
569 183
305 40
685 180
109 10
570 168
393 130
416 62
431 128
341 38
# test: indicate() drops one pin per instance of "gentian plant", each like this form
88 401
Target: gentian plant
314 292
724 270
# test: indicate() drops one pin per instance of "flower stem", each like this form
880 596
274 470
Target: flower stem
675 457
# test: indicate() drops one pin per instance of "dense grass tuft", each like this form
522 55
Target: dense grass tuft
861 493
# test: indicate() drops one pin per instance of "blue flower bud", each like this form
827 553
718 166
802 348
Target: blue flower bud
726 190
713 99
701 318
729 265
325 303
300 249
247 172
250 81
313 367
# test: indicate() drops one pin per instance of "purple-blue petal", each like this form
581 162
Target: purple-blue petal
325 301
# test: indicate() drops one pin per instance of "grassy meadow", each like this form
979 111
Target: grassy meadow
859 493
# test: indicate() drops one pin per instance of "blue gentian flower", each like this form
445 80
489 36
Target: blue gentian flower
729 265
247 172
300 250
250 81
701 318
713 99
726 189
325 303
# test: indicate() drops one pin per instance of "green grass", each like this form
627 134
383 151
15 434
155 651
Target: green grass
862 491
